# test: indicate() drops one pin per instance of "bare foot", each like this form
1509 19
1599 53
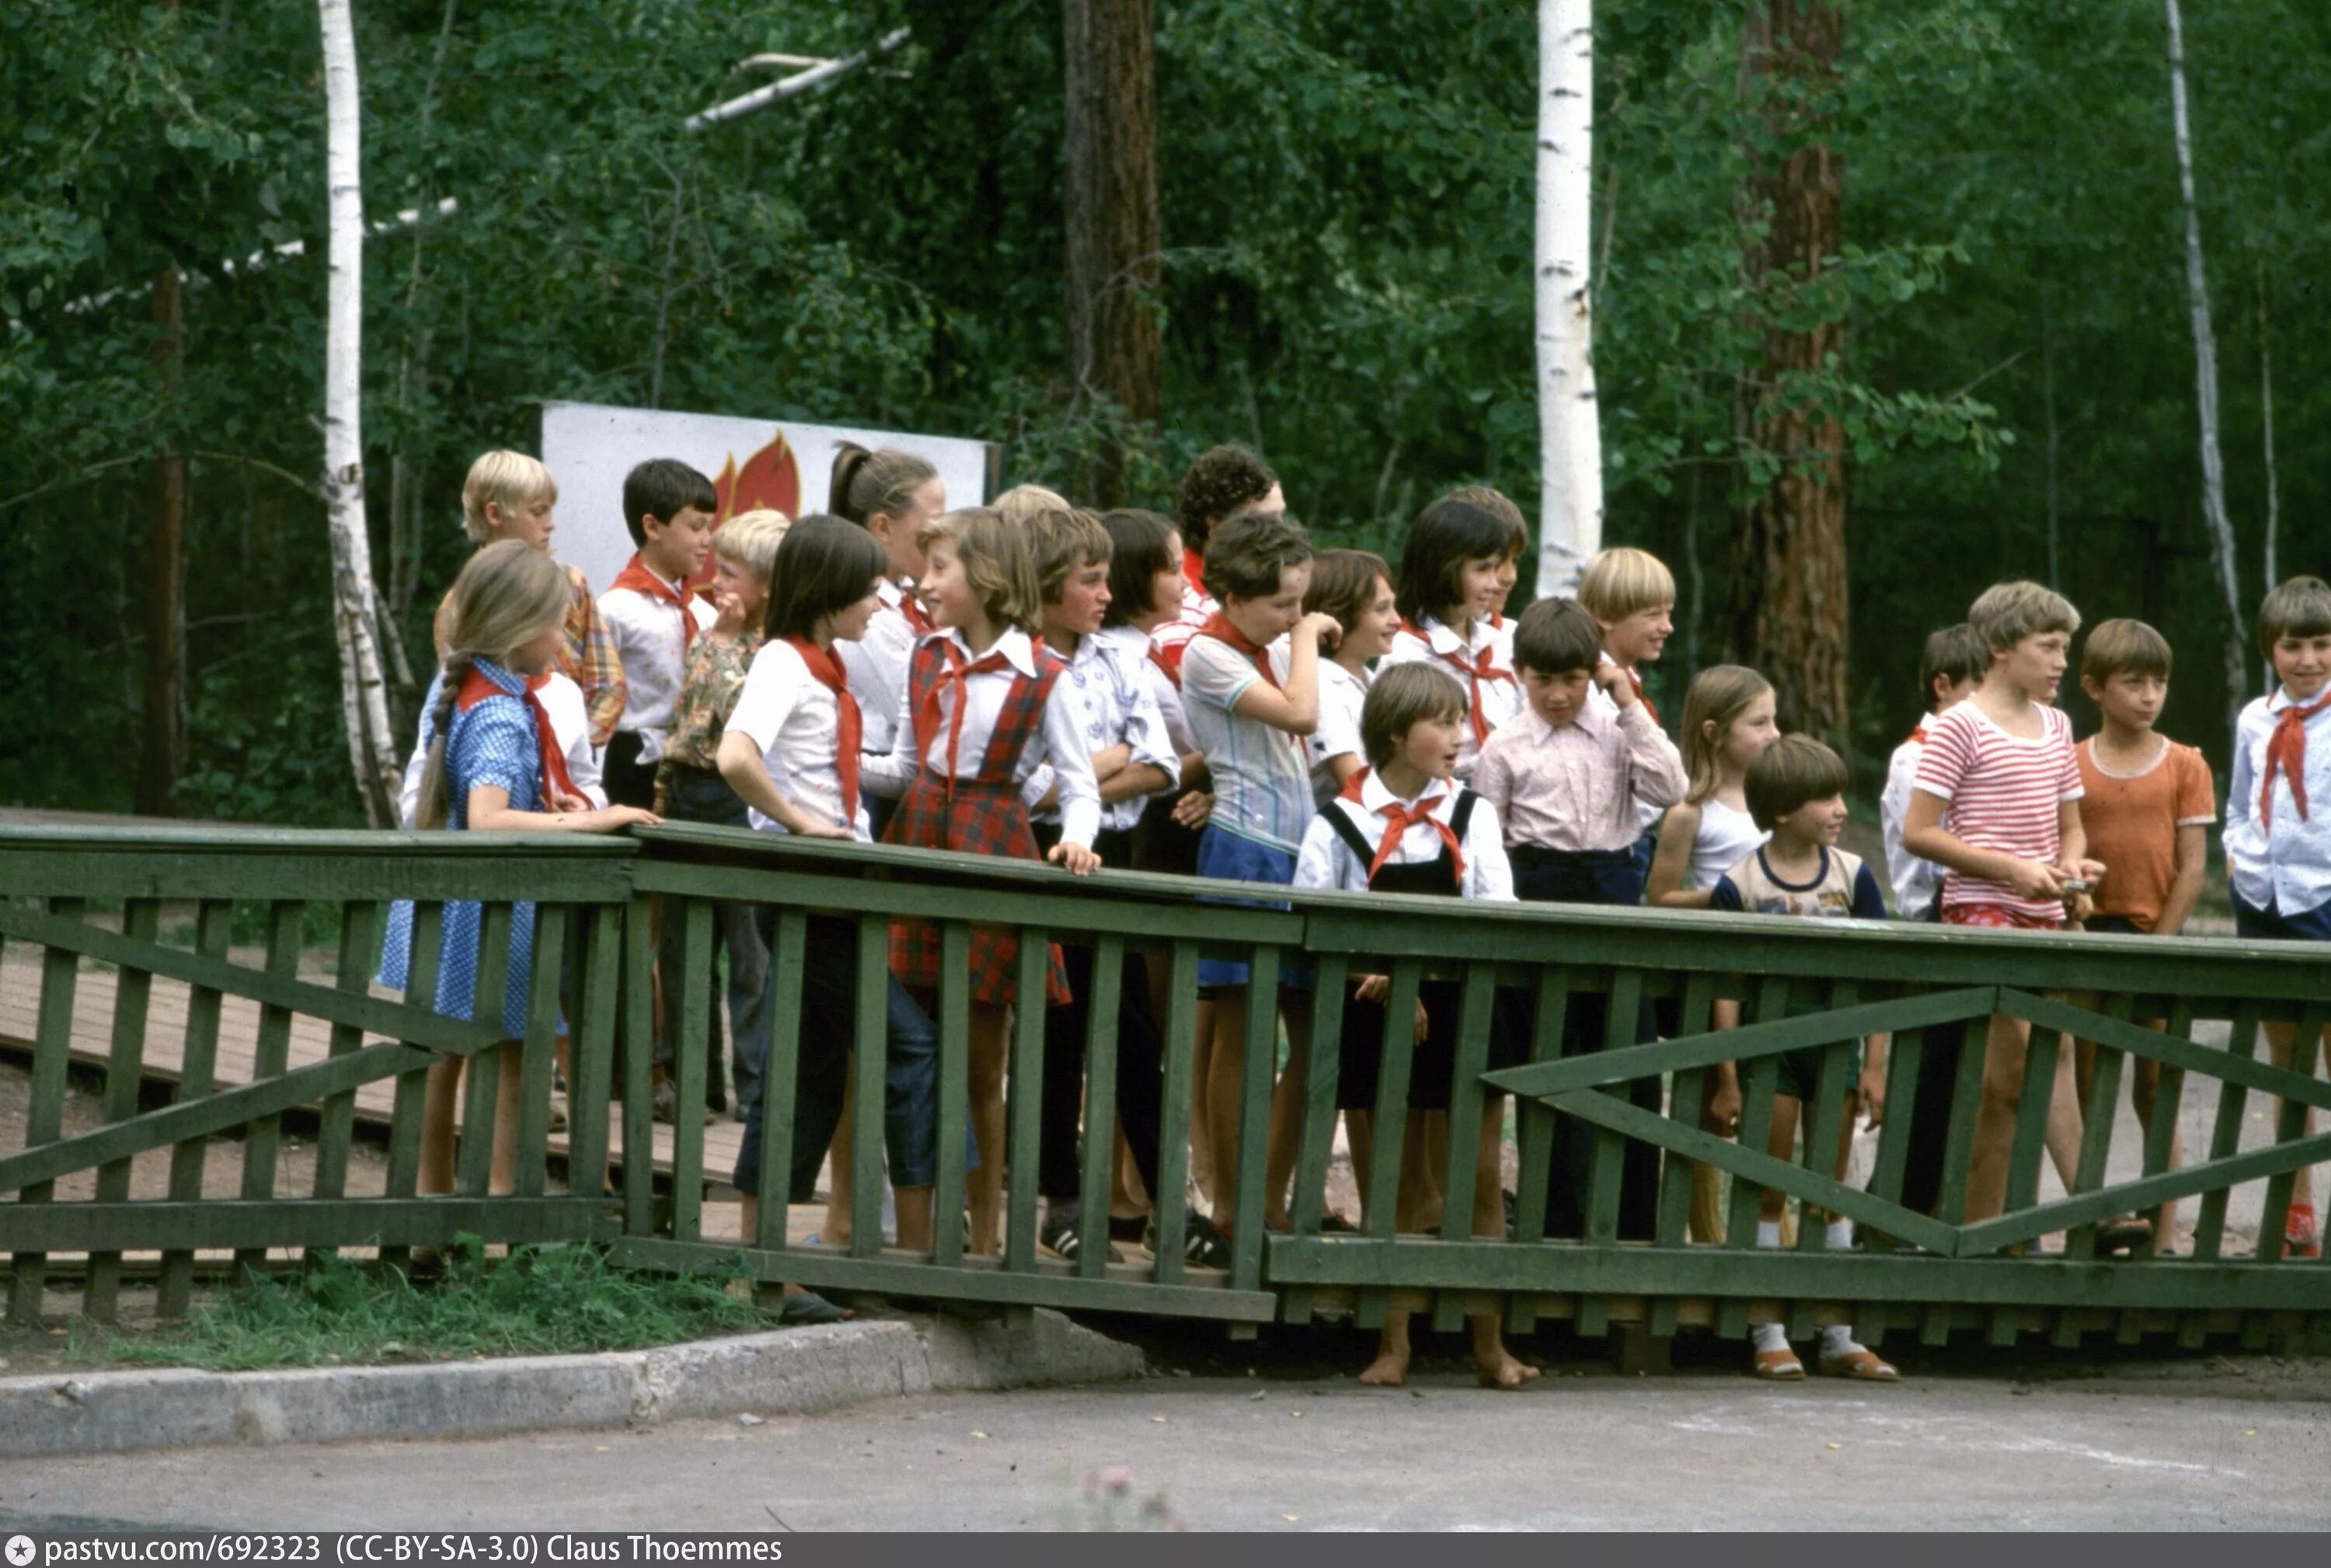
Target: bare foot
1503 1371
1388 1370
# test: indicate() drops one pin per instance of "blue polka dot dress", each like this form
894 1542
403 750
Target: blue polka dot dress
493 743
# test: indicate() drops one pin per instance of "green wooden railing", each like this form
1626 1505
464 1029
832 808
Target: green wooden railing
89 914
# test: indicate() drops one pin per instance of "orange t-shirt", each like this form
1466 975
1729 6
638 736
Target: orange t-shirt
2132 822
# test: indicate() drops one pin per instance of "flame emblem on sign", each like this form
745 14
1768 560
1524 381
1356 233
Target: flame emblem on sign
770 478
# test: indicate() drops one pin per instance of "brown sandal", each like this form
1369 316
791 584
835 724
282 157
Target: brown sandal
1780 1365
1862 1365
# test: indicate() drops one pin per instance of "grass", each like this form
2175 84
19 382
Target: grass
537 1301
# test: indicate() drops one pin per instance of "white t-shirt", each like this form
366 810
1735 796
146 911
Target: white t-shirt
1342 694
1726 836
797 722
876 665
1262 776
1493 689
1917 882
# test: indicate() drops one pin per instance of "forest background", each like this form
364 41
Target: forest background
1343 282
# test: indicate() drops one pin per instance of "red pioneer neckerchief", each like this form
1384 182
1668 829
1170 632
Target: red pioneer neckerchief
826 667
636 576
2286 753
957 674
1475 670
477 685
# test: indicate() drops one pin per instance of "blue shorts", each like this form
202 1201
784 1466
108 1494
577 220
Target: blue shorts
1237 859
2269 925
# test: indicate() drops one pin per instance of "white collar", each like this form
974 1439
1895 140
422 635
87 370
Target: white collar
1375 796
1592 716
1442 638
2280 698
1128 639
1017 649
891 594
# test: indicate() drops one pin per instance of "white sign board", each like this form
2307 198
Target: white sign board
751 462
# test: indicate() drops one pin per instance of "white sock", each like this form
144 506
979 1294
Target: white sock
1841 1235
1836 1340
1770 1336
1768 1232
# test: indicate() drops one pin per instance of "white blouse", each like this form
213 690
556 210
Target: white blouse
1326 861
1493 691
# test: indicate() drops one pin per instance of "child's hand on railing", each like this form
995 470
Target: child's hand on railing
1080 860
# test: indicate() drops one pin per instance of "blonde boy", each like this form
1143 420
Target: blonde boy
1631 595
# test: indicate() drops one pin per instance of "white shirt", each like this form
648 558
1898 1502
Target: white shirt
876 665
1262 778
797 722
1107 671
1164 690
1647 815
1917 882
1726 836
570 726
653 643
2281 863
1342 694
1326 861
1060 739
1499 696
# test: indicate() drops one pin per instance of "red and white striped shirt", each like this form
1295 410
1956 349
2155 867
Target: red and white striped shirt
2006 795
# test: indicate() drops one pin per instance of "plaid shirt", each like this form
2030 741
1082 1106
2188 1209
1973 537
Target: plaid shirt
716 674
589 661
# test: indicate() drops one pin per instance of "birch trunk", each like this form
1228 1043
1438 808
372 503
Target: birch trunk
364 696
1570 436
2205 382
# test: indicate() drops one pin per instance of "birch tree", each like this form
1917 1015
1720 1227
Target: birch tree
364 696
2205 381
1570 436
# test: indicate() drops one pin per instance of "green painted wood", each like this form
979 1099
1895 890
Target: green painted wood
197 1064
2097 1114
124 1072
1549 1017
637 1050
481 1086
44 1108
238 865
421 1026
1316 1150
780 1080
2212 1176
2290 1123
1025 1101
247 1225
900 1274
869 1060
539 1058
1605 1162
598 990
1967 1104
954 1021
685 1063
411 1087
2138 1041
1261 1066
1759 1080
2169 1101
1904 1055
351 972
1379 1209
1099 1142
1819 1122
263 1137
1475 1004
2226 1135
1685 1098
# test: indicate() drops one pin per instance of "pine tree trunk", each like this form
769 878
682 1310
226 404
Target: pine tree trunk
363 704
162 757
1570 436
1788 555
1114 350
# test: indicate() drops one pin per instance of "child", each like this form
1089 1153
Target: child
890 494
2278 851
791 751
1448 586
1134 760
1568 777
1220 482
1251 685
1500 505
668 505
1631 595
985 706
1949 667
689 789
1404 825
1796 792
493 764
510 496
1354 586
2014 855
1728 719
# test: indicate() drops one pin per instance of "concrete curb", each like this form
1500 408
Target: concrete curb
786 1372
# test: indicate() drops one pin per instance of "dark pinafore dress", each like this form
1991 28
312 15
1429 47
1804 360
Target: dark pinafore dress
1433 1065
983 815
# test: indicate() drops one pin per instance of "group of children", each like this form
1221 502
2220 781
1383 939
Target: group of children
1206 694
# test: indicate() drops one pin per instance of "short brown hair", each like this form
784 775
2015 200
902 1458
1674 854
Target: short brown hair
2124 648
1399 698
1624 581
1248 553
1556 636
1500 505
2299 607
1786 775
1344 583
1218 482
1063 540
995 559
2007 613
1955 652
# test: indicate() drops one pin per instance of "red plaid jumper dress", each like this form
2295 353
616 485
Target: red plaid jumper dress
983 815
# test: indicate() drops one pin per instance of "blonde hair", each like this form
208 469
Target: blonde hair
1717 697
997 561
1624 581
505 479
1019 505
749 541
2008 612
508 594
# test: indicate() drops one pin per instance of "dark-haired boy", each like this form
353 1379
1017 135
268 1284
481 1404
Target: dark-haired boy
1950 668
1796 793
654 616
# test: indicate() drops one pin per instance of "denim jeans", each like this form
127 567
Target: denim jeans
700 796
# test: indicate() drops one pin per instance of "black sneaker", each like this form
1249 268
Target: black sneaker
1206 1244
1062 1232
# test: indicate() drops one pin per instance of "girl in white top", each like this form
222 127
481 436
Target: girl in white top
890 494
1448 573
1728 719
1354 586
